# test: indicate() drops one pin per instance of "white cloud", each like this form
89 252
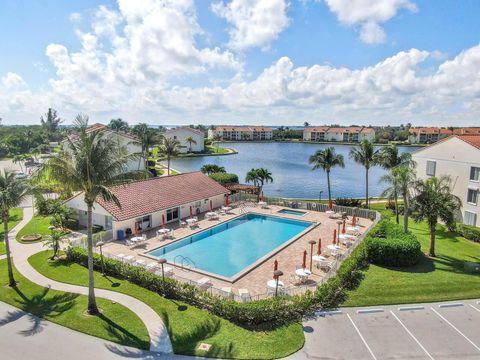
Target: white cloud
254 23
13 81
137 62
75 17
368 14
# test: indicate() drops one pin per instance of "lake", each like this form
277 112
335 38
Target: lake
292 174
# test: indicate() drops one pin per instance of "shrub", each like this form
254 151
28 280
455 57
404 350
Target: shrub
469 232
348 202
224 178
96 228
47 206
72 224
387 245
272 311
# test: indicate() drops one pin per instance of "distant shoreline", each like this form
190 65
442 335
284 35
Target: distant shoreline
290 141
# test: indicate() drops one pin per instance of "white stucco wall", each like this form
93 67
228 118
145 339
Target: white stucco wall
99 214
181 134
453 157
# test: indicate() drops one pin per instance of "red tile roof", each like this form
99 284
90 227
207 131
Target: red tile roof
473 140
316 129
467 131
430 130
243 128
195 131
148 196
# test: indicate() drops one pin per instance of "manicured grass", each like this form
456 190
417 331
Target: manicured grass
37 225
188 326
16 215
116 323
432 279
217 150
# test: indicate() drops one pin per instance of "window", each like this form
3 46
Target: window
472 196
470 218
431 165
172 214
474 173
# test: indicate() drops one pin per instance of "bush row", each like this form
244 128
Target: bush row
469 232
224 178
272 311
352 202
388 245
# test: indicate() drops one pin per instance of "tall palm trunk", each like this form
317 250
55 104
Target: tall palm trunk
11 279
168 165
395 195
329 190
92 304
366 186
431 250
405 213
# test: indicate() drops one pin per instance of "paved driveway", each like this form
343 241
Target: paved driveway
426 331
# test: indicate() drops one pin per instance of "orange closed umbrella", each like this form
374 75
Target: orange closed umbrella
330 204
226 200
334 236
319 249
136 230
275 268
191 212
211 205
163 220
304 263
354 220
343 228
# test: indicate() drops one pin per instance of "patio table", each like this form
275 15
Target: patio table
262 204
136 239
329 212
303 272
334 247
191 221
211 215
226 208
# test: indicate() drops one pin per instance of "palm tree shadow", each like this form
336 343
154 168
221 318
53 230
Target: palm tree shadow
121 334
425 265
41 306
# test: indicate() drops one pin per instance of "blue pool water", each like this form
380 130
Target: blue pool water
230 247
292 212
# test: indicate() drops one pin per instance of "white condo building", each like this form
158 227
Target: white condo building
343 134
459 158
181 134
242 133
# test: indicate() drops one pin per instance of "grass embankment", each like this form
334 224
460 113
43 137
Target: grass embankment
16 215
187 326
442 278
37 225
212 149
116 323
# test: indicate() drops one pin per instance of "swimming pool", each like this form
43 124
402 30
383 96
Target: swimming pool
229 249
292 212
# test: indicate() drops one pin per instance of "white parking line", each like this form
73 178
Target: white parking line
475 308
361 337
453 326
413 337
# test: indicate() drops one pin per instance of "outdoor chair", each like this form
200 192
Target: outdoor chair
227 292
244 295
203 282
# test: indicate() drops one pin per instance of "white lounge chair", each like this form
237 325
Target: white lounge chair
141 263
227 292
244 294
203 282
130 259
151 266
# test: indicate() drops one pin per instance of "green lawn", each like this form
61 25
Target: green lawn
16 215
37 225
116 323
188 326
217 150
432 279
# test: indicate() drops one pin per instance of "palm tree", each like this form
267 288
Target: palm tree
433 200
366 155
20 159
211 169
264 176
252 176
91 164
392 190
306 124
217 138
146 139
190 140
405 180
118 125
53 241
169 148
326 160
12 192
50 122
389 157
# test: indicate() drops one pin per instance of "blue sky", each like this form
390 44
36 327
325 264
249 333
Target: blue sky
242 61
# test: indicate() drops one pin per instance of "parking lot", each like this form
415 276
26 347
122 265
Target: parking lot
425 331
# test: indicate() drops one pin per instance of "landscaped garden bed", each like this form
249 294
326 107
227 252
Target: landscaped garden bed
31 238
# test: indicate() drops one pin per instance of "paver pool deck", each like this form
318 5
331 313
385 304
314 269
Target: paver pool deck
255 281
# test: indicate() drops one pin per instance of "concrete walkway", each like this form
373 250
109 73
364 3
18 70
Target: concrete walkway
159 339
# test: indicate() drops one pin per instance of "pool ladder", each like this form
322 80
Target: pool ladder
186 263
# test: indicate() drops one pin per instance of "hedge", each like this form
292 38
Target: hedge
388 245
272 311
469 232
224 178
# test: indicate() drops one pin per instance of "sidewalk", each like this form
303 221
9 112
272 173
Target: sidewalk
159 339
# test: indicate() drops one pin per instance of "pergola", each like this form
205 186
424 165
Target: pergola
248 189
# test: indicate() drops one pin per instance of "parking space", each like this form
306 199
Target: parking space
425 331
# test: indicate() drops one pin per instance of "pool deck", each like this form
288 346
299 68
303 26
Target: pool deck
289 257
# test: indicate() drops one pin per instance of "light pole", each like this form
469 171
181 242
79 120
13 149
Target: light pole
100 244
162 261
277 274
339 223
311 242
320 197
